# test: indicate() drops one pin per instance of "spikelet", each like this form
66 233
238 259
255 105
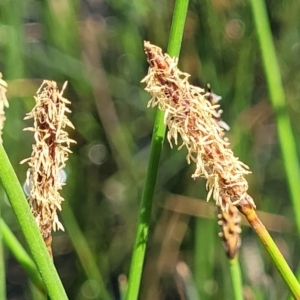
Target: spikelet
3 103
190 115
230 223
48 157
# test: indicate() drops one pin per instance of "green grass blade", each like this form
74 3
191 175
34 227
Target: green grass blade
179 16
2 267
204 254
29 228
276 256
21 255
84 253
236 277
280 263
277 95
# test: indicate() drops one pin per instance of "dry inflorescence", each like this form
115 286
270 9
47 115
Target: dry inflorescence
48 157
188 113
3 103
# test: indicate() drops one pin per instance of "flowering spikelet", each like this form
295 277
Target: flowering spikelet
190 115
3 103
230 223
49 155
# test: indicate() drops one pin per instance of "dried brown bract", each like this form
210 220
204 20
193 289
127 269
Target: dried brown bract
190 115
3 103
48 157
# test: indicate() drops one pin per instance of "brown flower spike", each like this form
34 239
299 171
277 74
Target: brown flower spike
230 223
190 115
48 157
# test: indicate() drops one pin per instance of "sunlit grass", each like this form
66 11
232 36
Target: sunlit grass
98 49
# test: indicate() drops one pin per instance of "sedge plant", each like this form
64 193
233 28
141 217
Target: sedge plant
48 157
191 119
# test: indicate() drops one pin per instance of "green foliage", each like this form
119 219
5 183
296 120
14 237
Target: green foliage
97 46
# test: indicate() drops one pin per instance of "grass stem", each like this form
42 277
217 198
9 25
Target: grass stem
277 96
29 228
2 267
135 274
236 278
21 255
271 248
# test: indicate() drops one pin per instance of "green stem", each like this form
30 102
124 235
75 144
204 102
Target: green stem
276 91
29 228
236 277
286 273
21 255
2 267
84 253
175 39
204 253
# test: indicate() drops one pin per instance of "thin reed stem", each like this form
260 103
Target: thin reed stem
29 228
2 266
204 254
277 96
21 255
83 251
179 16
236 277
276 256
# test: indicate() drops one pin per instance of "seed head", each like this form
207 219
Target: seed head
49 155
190 115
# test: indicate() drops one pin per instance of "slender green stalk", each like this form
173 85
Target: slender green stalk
276 91
34 293
29 228
21 255
204 253
267 241
236 277
83 251
178 22
2 267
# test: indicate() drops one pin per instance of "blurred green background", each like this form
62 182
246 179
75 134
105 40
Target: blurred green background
97 46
